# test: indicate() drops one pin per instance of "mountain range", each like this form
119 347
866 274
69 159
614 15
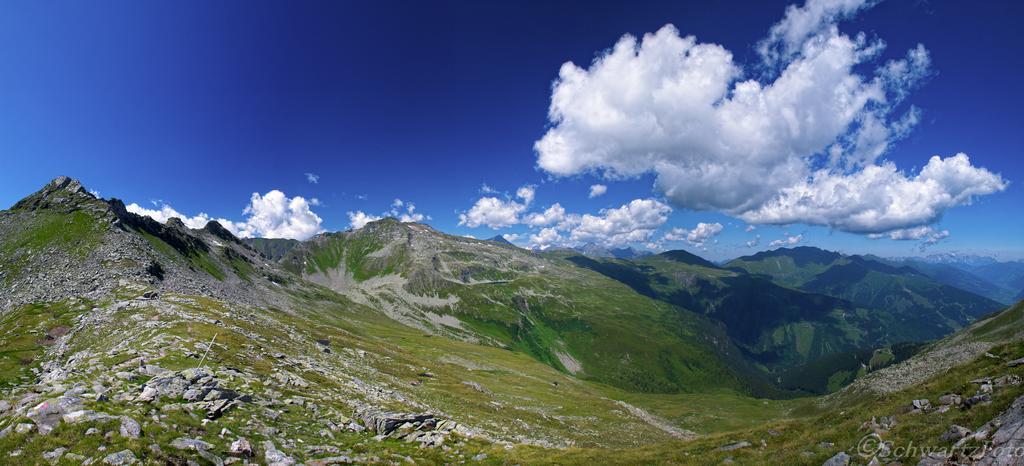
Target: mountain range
123 337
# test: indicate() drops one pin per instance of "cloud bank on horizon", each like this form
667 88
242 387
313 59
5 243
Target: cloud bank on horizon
803 143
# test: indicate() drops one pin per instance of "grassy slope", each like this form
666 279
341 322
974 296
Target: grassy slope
921 308
790 267
841 425
779 327
47 232
521 398
924 309
618 336
965 280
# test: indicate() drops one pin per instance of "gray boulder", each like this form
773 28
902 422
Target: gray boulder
130 428
121 458
275 457
840 459
955 433
185 443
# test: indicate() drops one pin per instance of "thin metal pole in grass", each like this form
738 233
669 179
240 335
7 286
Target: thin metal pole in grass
208 348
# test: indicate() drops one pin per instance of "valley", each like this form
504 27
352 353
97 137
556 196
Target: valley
125 339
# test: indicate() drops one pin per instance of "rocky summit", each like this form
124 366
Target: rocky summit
124 340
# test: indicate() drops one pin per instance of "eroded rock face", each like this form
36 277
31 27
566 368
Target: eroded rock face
1007 436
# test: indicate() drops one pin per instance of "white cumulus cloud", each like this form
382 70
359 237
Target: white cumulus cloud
879 198
553 215
359 219
271 215
597 190
274 215
492 212
312 178
544 239
635 222
498 213
697 236
791 147
166 212
526 193
405 212
787 241
799 23
927 235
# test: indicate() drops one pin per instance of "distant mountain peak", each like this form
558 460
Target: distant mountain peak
954 257
687 257
799 254
499 239
214 228
595 250
61 192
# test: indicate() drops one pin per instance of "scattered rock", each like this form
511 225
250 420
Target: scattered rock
976 400
275 457
241 447
123 457
47 415
840 459
951 399
955 433
130 428
424 428
1012 379
54 456
331 460
149 393
185 443
1015 362
734 446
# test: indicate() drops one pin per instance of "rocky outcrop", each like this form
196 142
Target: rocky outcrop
201 390
1006 434
426 429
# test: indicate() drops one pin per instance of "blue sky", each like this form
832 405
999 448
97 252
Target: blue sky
197 106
